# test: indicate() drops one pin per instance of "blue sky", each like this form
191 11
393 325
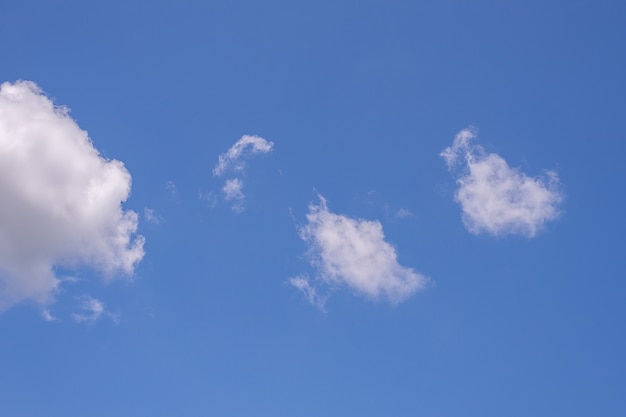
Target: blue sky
422 213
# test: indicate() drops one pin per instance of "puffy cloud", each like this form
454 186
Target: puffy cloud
496 198
234 159
353 253
61 201
243 148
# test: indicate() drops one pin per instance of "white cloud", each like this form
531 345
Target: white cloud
496 198
353 253
209 197
92 310
243 148
234 159
310 292
403 213
47 316
171 187
232 192
151 216
61 201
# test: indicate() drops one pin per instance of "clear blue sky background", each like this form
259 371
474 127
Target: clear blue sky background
359 98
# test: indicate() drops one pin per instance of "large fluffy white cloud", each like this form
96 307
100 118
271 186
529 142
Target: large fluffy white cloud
496 198
61 201
353 253
234 160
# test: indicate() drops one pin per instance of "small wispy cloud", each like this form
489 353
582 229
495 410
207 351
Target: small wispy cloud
496 198
232 192
170 186
210 198
302 283
245 147
403 213
91 309
151 216
234 160
348 252
47 315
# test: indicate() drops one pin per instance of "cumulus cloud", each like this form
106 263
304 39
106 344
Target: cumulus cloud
496 198
353 253
234 160
61 201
